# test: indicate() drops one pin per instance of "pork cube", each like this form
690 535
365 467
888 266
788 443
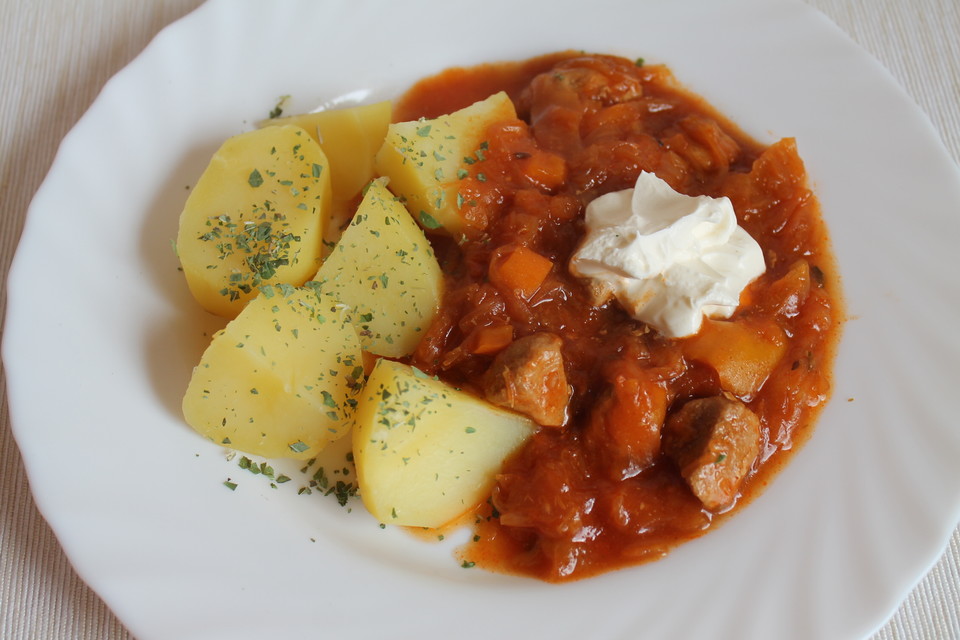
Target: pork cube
715 442
528 376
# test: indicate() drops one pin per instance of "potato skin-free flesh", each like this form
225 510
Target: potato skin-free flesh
256 217
425 452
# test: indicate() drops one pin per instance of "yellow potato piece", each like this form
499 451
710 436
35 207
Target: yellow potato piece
350 137
425 452
255 217
281 380
424 159
384 270
743 354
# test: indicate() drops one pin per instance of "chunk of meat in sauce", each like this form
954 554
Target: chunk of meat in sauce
715 442
604 80
529 377
556 101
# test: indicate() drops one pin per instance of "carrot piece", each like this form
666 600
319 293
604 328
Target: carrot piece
490 339
516 268
544 170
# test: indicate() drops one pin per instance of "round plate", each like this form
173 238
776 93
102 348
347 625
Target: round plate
101 336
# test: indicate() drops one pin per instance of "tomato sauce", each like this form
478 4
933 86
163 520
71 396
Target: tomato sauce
569 504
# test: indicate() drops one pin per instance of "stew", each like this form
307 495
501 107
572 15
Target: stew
645 441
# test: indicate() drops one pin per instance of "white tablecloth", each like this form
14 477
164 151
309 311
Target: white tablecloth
56 58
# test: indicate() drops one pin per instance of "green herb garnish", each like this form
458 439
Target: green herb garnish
429 221
299 447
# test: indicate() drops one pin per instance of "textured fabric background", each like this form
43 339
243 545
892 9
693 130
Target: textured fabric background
56 58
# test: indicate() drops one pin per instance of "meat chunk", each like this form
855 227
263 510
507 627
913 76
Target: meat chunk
529 377
603 80
715 442
556 101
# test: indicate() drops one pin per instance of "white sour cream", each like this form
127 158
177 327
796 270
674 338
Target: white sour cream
668 258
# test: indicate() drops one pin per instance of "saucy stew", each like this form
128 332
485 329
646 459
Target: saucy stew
645 442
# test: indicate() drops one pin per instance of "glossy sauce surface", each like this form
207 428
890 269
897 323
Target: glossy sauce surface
575 501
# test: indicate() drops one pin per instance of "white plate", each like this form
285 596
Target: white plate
101 336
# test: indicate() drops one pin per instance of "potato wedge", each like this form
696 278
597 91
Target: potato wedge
255 217
424 159
426 452
384 270
350 137
743 354
281 380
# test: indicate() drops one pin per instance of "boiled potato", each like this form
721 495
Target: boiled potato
383 269
425 159
425 452
255 217
742 353
281 379
350 137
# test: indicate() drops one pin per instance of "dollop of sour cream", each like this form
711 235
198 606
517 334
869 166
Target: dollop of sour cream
668 258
